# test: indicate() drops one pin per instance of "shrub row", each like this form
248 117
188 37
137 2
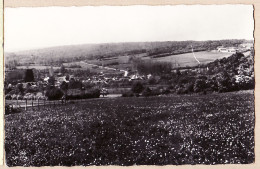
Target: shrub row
95 93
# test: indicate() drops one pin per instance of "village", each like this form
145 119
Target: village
34 84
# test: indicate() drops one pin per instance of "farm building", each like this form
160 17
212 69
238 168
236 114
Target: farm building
227 50
222 50
247 45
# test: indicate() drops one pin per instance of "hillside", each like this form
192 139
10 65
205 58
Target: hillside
63 54
223 75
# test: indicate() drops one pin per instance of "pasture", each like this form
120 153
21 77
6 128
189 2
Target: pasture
124 62
187 59
186 129
37 67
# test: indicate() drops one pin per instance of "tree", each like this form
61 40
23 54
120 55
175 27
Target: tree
51 80
41 87
137 87
64 86
54 93
20 88
152 80
29 77
147 92
189 87
200 85
212 84
62 69
154 68
178 72
74 84
224 82
67 77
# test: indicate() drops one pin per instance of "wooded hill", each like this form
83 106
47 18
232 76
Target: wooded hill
63 54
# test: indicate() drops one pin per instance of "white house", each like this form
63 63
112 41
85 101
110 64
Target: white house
247 45
224 50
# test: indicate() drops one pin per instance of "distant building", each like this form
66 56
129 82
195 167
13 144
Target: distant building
61 79
126 73
224 50
220 47
247 45
232 50
227 50
46 79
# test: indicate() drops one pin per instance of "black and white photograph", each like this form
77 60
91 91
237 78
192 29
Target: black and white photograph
129 85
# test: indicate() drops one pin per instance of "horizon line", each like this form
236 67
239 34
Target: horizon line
78 44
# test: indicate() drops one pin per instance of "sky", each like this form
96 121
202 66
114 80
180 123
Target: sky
32 28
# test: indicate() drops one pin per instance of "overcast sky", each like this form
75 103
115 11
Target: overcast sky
29 28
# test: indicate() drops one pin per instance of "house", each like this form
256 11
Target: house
247 45
46 79
232 50
227 50
62 79
224 50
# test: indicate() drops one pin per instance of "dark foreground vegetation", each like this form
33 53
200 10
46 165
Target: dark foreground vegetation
187 129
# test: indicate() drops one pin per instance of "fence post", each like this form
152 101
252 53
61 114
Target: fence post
38 105
25 104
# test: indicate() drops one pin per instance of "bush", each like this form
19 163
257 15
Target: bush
54 93
137 87
137 95
11 110
181 90
74 66
20 88
200 85
51 80
74 84
161 90
152 80
147 92
157 91
94 93
183 80
166 91
128 94
31 90
189 87
88 85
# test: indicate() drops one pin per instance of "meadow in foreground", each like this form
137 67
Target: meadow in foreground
201 129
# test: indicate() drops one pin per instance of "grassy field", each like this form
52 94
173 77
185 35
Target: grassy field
38 67
182 60
187 59
197 129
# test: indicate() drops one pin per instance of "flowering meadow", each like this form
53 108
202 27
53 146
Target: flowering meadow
160 130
